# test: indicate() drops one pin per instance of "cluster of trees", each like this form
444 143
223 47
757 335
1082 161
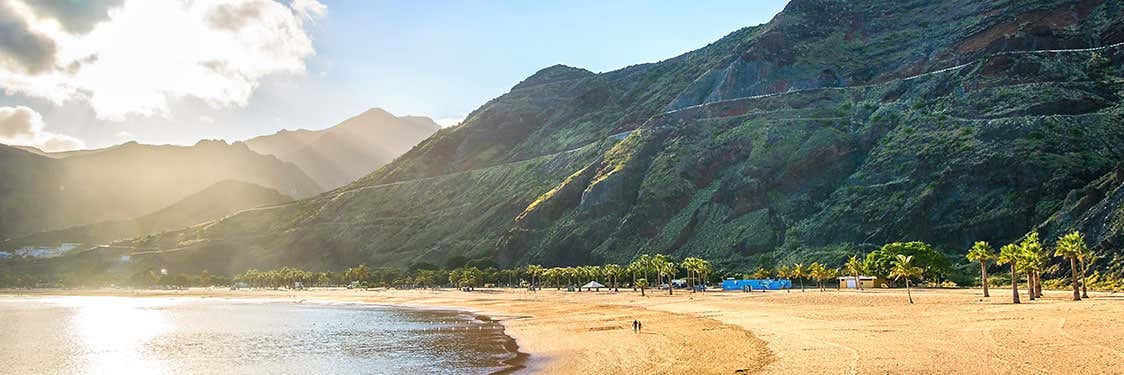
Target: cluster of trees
1030 258
899 262
283 277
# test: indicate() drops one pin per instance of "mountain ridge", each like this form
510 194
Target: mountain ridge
824 133
41 193
342 153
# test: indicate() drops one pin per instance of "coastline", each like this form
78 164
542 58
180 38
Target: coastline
874 331
552 332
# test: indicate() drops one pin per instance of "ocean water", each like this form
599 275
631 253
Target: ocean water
122 335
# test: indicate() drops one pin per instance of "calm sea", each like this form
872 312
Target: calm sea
121 335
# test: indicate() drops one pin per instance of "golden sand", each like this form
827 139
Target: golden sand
813 332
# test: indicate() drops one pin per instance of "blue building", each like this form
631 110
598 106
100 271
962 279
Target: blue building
756 284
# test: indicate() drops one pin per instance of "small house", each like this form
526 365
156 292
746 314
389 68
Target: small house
867 282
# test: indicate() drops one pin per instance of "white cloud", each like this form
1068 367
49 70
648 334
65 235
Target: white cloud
308 9
125 136
23 126
131 57
207 119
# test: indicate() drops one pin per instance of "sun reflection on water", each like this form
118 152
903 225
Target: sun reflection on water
114 334
122 335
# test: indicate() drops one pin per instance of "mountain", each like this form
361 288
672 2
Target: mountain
834 128
340 154
214 202
39 193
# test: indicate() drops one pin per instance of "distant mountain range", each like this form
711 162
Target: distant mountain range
339 155
214 202
40 193
103 191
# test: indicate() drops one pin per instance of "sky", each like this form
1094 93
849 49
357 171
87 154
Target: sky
93 73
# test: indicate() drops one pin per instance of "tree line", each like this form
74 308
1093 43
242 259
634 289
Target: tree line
899 263
1030 258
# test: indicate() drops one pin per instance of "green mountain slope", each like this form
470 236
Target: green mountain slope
214 202
38 193
838 125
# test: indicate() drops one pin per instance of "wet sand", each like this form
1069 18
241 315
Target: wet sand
835 332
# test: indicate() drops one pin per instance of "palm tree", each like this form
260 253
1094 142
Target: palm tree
798 272
704 271
855 267
571 274
534 270
761 273
832 274
612 271
1011 254
1035 254
784 272
664 267
1029 263
904 269
554 274
692 265
1088 257
817 271
641 265
981 252
1071 246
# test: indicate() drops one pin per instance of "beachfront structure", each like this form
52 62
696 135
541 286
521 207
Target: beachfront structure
593 285
848 282
756 284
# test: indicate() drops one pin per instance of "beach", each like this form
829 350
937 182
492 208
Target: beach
835 332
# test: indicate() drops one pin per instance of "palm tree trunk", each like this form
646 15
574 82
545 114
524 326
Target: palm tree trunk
983 277
908 292
1030 284
1084 280
1073 276
1014 284
1038 284
801 284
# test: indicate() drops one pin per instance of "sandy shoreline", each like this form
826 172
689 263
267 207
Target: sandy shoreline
947 331
560 332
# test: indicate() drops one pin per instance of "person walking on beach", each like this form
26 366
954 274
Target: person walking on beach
639 326
635 325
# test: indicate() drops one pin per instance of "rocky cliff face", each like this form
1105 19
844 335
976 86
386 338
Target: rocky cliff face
838 125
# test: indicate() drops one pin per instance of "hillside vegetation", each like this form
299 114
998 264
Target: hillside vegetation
834 128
